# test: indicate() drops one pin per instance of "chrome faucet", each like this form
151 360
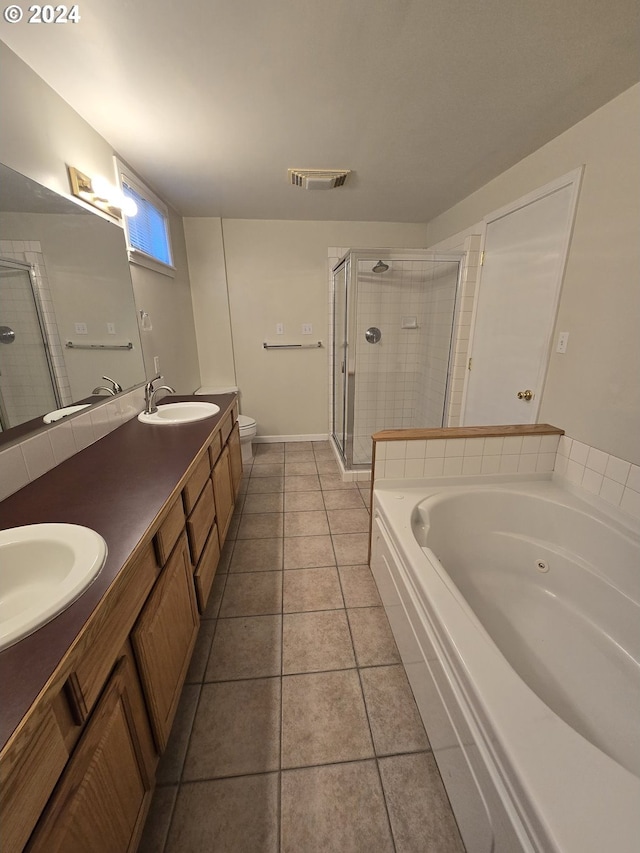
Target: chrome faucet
150 394
116 388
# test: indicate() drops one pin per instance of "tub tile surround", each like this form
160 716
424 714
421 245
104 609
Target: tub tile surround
25 461
464 452
298 730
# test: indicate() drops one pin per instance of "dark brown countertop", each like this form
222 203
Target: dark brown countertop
117 487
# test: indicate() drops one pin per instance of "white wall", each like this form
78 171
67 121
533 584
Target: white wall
592 391
41 134
276 272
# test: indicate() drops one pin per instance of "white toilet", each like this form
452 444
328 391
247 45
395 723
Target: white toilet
248 426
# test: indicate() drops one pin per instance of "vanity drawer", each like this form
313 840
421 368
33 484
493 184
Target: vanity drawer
227 426
196 482
200 522
215 448
206 570
169 530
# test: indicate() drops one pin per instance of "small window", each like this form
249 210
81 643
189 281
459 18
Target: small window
147 231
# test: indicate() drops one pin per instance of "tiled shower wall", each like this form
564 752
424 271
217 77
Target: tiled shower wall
23 389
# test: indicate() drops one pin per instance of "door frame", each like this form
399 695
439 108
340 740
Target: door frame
571 179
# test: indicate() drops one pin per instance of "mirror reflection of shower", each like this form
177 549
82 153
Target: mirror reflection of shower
404 301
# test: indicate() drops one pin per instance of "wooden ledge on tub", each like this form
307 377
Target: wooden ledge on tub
465 432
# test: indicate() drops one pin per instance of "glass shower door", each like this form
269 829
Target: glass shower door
26 384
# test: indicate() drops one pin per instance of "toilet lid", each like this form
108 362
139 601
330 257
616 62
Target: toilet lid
245 422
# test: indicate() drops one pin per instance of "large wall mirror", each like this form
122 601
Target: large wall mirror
67 312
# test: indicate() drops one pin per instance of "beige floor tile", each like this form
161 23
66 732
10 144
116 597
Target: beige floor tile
395 723
227 815
225 556
359 587
306 552
246 647
302 483
170 766
343 499
327 466
323 719
306 523
420 814
365 491
215 597
252 594
271 502
200 656
267 469
261 525
348 520
261 450
158 820
236 730
335 809
352 549
257 555
303 501
297 468
316 641
372 637
265 485
311 589
334 482
294 447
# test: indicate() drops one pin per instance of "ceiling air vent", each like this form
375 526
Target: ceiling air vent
318 179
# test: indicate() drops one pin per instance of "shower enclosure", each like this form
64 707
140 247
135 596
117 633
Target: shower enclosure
393 321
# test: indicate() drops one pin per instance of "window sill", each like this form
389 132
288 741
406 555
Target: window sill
142 260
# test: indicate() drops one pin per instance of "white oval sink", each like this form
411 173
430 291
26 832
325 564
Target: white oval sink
43 569
180 413
52 417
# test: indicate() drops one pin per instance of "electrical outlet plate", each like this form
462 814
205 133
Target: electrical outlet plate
563 339
307 329
81 328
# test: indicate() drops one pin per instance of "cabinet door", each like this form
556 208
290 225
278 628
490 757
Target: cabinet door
223 492
101 801
235 455
163 640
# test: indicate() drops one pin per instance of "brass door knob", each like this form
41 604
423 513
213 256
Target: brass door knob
525 395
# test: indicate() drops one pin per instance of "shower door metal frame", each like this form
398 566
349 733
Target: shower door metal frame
351 259
21 266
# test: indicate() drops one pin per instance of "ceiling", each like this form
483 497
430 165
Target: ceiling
211 101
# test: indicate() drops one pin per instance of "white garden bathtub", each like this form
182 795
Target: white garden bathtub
516 608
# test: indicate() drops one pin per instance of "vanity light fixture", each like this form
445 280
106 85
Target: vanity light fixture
99 193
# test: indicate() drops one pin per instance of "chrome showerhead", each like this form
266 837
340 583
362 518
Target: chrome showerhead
380 267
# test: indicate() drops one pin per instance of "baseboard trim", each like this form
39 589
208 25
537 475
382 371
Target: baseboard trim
273 439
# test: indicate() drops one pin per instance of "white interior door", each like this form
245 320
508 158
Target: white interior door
525 249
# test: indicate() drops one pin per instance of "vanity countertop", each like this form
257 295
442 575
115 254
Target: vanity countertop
118 487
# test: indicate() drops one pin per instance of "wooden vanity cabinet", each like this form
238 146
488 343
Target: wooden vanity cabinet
223 492
235 457
102 799
163 640
79 774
